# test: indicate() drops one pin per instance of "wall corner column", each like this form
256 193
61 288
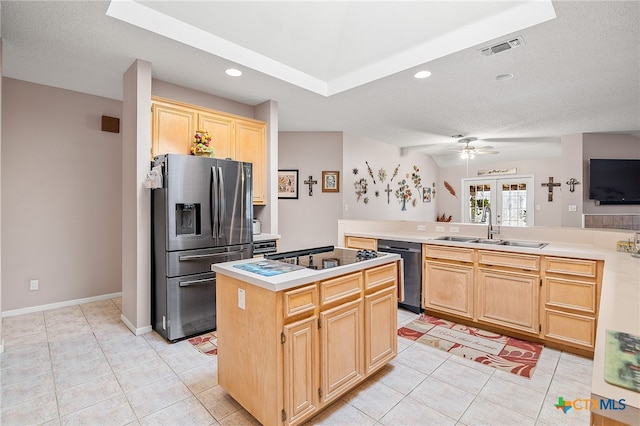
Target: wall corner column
1 335
136 200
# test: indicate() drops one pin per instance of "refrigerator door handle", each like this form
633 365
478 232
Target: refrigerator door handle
221 199
204 256
215 220
196 282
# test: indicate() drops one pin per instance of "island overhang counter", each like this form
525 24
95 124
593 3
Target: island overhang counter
291 343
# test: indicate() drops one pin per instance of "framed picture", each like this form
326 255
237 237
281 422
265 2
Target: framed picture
426 195
288 184
330 181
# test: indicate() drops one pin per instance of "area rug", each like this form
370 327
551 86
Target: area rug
502 352
206 343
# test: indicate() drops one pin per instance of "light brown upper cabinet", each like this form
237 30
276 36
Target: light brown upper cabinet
238 138
172 129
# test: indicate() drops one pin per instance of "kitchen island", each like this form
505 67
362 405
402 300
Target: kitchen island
293 339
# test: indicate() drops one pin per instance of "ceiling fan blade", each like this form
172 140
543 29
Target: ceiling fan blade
473 148
524 140
487 152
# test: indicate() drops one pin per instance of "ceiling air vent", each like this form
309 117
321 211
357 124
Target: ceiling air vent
501 47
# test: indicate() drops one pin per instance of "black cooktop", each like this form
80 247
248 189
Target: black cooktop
324 257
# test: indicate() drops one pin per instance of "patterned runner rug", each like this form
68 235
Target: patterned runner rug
206 343
502 352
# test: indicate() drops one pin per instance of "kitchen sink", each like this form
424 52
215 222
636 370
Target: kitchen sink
528 244
457 239
473 240
486 241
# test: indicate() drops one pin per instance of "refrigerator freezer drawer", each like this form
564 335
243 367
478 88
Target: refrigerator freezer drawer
188 262
191 305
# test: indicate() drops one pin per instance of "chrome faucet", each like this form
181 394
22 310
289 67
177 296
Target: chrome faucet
490 231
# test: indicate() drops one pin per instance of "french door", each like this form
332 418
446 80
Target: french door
510 200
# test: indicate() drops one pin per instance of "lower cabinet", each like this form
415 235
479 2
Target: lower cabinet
360 243
449 288
509 299
571 294
569 328
554 299
380 324
301 381
341 346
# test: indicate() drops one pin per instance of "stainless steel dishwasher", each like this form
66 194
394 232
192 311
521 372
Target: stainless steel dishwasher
411 254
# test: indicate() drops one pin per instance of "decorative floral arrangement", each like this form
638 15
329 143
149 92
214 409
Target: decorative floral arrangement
361 188
395 172
382 175
202 144
417 180
403 193
370 172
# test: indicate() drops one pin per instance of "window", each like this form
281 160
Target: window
510 200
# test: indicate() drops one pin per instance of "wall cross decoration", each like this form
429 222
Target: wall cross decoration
572 184
388 191
310 182
551 184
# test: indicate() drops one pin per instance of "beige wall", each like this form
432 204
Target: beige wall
61 196
549 212
357 152
310 221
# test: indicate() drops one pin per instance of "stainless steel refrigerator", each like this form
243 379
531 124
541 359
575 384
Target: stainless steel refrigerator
202 215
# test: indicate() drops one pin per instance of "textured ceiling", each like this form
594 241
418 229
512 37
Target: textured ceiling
577 73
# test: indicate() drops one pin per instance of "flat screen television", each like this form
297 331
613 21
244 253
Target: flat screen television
614 181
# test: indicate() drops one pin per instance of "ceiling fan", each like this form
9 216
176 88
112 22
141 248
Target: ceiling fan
470 151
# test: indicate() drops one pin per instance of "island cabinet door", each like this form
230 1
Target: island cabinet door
380 324
301 370
341 348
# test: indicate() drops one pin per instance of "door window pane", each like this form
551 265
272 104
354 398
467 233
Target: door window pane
479 198
514 204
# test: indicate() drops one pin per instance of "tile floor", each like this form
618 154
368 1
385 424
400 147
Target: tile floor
81 365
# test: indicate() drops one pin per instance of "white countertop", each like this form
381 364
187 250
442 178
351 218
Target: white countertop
265 237
295 278
619 300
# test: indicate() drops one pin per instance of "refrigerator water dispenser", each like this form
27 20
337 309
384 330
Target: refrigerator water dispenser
188 219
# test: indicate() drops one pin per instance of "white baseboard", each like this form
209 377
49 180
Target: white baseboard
58 305
134 330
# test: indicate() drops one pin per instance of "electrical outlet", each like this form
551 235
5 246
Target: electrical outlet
573 208
454 229
241 303
439 228
422 228
34 284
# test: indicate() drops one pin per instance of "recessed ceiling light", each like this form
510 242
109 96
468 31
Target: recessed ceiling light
503 77
422 74
233 72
